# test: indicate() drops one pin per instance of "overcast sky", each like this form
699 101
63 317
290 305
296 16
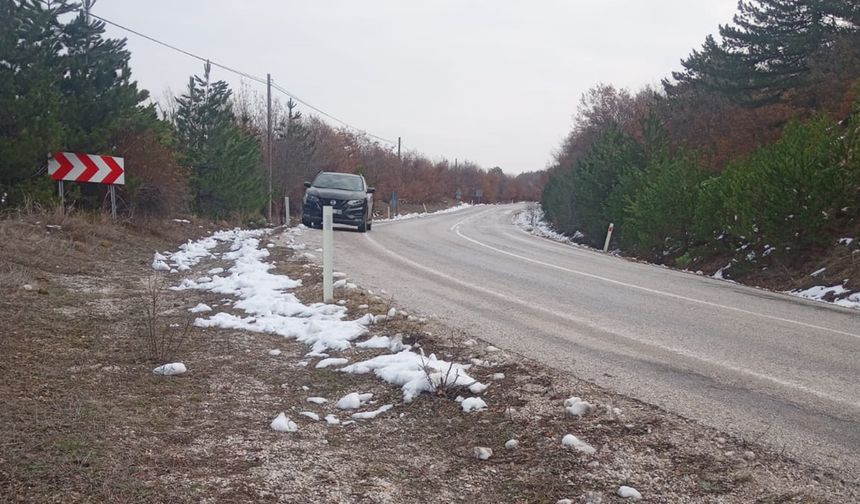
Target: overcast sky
492 81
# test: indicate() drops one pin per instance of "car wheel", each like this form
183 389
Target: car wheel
362 228
306 222
370 225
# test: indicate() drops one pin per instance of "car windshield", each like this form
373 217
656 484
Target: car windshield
339 181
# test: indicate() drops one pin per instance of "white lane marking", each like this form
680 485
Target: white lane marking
456 229
592 325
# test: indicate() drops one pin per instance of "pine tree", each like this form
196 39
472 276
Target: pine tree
766 52
29 97
225 160
96 84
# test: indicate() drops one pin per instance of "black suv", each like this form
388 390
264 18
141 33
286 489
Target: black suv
348 195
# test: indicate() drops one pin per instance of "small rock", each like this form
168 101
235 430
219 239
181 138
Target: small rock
749 455
482 452
498 376
491 348
564 501
275 352
512 444
392 313
27 287
721 440
594 464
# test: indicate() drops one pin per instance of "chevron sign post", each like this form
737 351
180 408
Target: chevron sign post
76 167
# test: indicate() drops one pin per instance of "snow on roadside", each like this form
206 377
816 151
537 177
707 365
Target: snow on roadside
267 306
262 295
282 423
531 220
834 294
413 372
420 215
369 415
172 369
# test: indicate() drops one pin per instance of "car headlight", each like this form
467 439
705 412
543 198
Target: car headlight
355 202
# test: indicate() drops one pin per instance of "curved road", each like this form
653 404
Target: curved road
753 363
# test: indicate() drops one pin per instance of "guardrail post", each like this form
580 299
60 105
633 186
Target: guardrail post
608 237
328 255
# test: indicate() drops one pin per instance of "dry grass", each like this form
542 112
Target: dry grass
86 421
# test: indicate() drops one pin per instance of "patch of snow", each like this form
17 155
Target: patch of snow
482 452
216 271
263 297
818 272
498 376
282 423
577 407
375 342
478 388
333 361
571 441
369 415
353 400
413 372
310 414
473 404
846 241
626 492
200 308
332 420
317 400
421 215
172 369
275 352
838 293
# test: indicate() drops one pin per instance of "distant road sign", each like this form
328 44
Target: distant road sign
77 167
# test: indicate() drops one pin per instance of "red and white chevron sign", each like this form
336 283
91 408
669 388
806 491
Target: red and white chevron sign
87 168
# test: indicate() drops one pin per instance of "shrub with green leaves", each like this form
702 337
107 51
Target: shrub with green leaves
786 194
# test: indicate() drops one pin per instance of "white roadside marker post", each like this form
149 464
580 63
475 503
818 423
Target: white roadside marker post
328 255
608 237
287 211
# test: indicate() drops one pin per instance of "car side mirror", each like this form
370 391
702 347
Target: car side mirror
371 190
307 184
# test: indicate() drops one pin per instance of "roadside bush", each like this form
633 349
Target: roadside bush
660 214
788 193
156 185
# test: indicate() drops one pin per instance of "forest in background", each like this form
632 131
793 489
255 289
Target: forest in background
64 86
749 153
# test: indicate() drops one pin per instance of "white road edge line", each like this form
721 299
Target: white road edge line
682 353
456 229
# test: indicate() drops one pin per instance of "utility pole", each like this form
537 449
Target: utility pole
269 140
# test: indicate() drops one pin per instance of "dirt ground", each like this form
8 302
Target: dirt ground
85 420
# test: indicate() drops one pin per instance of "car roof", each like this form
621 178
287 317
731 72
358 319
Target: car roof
338 173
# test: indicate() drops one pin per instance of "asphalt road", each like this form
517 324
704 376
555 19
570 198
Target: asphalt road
766 366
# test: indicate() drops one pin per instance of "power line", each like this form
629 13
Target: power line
254 78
